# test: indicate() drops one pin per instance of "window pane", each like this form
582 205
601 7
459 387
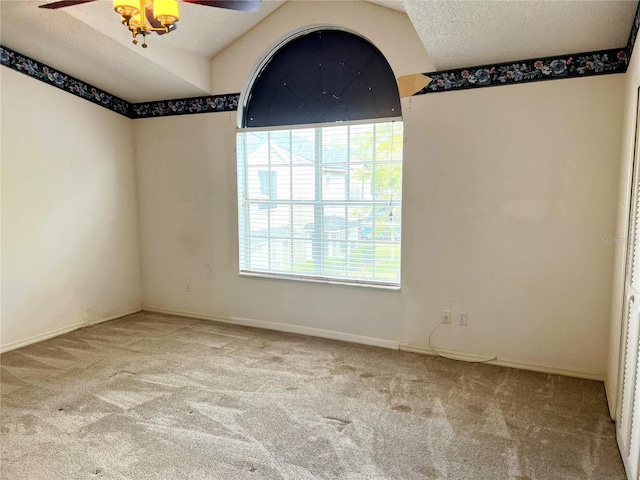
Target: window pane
280 187
322 202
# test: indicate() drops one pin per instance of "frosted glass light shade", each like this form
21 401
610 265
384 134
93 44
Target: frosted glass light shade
126 8
139 19
166 11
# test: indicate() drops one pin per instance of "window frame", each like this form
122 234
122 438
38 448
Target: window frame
317 239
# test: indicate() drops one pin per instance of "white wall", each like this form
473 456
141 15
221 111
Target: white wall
389 30
630 98
508 194
69 213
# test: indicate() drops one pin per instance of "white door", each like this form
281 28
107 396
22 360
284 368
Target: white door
628 424
628 418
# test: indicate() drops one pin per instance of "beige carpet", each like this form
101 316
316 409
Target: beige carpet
160 397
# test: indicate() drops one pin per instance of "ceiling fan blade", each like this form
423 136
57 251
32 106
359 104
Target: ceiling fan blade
63 3
241 5
155 23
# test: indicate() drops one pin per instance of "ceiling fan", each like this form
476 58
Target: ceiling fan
142 17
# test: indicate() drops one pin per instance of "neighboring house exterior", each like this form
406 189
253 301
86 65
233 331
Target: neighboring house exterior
281 184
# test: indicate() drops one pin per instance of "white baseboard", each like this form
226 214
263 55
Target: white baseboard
314 332
62 330
506 363
114 317
281 327
376 342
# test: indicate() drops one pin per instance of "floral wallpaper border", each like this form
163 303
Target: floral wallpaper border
633 35
576 65
164 108
601 62
49 75
21 63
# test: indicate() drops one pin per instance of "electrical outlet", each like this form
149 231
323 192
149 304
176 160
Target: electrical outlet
446 316
462 318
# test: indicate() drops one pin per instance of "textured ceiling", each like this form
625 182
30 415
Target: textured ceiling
88 42
58 39
203 31
467 33
392 4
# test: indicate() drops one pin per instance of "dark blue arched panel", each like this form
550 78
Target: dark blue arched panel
322 76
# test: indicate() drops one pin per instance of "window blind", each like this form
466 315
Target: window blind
322 203
322 76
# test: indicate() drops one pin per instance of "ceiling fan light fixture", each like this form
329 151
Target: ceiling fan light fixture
126 8
166 11
142 17
138 21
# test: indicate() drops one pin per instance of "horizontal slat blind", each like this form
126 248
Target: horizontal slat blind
322 203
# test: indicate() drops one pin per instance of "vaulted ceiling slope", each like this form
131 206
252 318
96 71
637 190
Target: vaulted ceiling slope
88 42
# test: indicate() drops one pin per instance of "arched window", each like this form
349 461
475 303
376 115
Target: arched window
320 163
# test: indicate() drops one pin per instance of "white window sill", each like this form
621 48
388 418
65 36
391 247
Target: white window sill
295 278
